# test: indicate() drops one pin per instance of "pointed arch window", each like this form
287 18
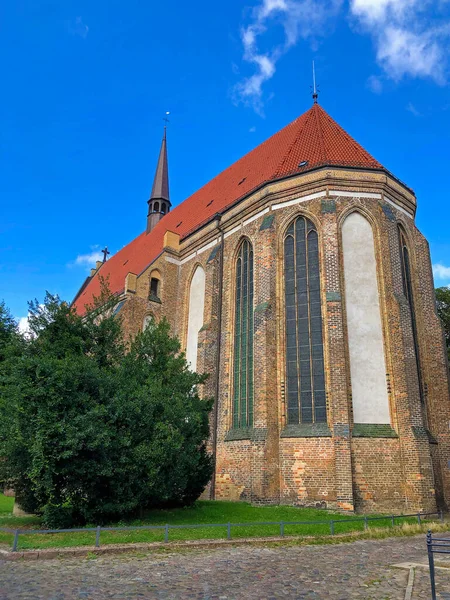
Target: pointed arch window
408 291
243 339
305 375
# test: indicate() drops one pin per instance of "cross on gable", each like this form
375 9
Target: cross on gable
105 253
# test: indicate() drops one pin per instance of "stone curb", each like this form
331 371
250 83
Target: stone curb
112 549
52 553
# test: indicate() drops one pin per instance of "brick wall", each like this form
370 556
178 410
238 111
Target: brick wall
400 468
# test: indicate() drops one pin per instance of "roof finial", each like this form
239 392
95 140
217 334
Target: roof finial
315 91
166 120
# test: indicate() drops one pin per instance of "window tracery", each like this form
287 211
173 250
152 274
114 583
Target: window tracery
243 339
305 374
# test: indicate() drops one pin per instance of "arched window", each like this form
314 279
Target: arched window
196 315
365 335
306 401
243 339
155 286
163 208
408 291
156 207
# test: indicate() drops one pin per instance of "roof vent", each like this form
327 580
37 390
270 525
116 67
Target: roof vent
210 202
242 180
303 164
179 223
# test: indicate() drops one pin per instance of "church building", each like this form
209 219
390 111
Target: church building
298 280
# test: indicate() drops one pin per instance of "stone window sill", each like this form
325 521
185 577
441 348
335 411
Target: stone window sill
153 298
369 430
306 430
246 433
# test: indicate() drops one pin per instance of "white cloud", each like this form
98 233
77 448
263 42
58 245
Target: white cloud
252 129
441 272
412 109
407 40
88 260
411 38
298 19
23 325
375 84
79 28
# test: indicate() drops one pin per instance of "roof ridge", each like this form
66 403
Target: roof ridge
310 140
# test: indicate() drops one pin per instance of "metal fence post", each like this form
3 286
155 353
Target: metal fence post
419 520
16 540
431 563
229 531
166 533
282 528
393 521
441 516
97 537
332 527
366 524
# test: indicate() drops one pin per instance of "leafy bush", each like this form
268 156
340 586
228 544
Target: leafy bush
93 429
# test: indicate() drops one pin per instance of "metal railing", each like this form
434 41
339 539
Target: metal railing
167 527
435 546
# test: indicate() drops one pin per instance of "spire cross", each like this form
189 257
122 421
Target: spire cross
105 253
165 119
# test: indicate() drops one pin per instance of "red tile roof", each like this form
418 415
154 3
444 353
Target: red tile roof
314 137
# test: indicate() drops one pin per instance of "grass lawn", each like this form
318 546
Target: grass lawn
203 512
6 505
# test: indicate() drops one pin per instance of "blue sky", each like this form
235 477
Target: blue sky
86 85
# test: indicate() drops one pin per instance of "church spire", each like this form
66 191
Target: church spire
159 201
315 94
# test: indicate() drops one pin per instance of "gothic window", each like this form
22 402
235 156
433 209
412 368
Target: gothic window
306 402
365 335
156 207
196 315
407 290
155 287
243 339
163 208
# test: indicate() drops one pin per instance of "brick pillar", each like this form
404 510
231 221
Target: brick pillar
265 463
414 444
435 372
207 343
337 395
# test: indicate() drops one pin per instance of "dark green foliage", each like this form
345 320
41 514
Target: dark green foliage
443 308
90 430
9 336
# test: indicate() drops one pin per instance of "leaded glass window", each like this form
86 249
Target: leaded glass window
243 339
305 374
408 291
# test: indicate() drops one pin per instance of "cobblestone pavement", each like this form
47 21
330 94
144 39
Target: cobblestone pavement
360 570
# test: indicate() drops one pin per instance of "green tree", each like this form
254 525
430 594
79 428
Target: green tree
443 308
91 431
8 331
